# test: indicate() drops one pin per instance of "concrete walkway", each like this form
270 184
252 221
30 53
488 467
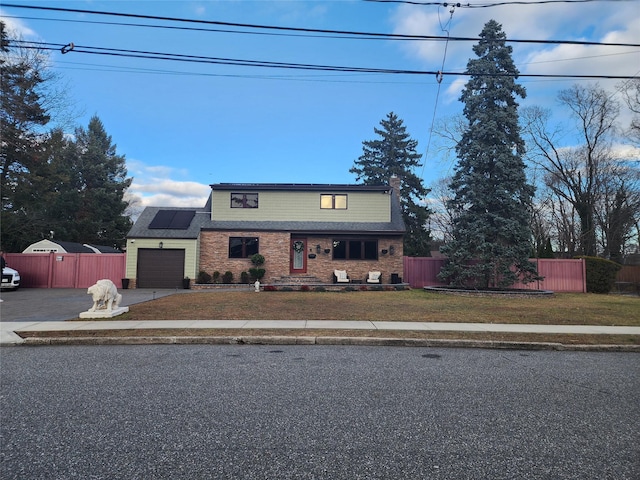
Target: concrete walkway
8 335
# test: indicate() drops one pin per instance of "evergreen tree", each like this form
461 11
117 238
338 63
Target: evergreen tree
394 153
491 203
547 251
22 116
99 178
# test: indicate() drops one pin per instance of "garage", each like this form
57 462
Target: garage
160 268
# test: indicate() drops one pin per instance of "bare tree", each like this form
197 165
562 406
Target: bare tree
576 173
618 210
442 215
631 94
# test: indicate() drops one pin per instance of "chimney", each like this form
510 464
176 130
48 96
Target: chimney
394 183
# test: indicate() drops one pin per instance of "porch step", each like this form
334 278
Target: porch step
297 280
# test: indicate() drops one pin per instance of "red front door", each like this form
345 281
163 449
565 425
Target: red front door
298 255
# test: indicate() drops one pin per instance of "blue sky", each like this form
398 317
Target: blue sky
183 126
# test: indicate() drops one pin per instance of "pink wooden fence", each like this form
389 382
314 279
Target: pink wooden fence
67 270
560 275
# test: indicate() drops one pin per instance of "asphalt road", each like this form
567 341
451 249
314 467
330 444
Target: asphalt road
321 412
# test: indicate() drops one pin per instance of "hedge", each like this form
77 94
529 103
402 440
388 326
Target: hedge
601 274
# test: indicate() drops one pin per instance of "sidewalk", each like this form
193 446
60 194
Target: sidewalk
8 335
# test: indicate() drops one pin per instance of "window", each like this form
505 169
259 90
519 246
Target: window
244 200
355 249
333 202
242 247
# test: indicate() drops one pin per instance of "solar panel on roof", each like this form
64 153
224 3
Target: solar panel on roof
172 219
162 219
182 219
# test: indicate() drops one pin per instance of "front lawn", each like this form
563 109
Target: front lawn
409 305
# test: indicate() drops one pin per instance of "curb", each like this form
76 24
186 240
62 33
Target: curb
354 341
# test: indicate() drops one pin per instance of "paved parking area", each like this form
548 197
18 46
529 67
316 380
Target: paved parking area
59 304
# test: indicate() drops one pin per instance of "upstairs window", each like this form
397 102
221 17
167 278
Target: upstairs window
333 201
243 247
244 200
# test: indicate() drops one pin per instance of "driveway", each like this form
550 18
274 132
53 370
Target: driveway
58 304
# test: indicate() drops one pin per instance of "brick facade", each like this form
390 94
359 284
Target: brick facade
275 247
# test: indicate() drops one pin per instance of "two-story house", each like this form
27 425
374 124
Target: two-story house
304 231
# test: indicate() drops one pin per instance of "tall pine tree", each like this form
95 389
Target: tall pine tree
394 153
22 119
100 180
491 233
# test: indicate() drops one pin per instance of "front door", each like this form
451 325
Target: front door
298 255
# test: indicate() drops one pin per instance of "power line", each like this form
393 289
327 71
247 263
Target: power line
70 48
361 35
201 29
482 5
439 80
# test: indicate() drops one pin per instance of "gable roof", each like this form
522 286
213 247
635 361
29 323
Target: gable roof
45 246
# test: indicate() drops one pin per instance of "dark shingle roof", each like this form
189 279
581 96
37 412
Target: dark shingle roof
73 247
105 249
293 187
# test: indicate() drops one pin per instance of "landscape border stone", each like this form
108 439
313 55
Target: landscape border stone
488 293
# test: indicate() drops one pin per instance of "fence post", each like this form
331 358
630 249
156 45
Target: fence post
50 270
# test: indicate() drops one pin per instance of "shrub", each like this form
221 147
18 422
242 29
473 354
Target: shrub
227 277
270 288
244 277
601 274
320 289
257 273
203 277
216 277
304 288
257 259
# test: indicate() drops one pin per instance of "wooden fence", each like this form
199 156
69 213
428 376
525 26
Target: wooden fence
560 275
629 273
81 270
67 270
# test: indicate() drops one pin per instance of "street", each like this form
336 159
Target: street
317 412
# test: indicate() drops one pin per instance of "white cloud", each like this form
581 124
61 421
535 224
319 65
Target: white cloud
626 152
584 22
16 27
155 185
540 22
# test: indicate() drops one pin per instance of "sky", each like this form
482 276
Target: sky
185 125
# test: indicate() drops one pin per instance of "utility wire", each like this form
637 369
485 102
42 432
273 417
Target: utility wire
483 5
367 35
71 48
203 29
439 80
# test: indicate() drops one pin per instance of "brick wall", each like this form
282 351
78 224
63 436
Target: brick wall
274 246
323 265
214 254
